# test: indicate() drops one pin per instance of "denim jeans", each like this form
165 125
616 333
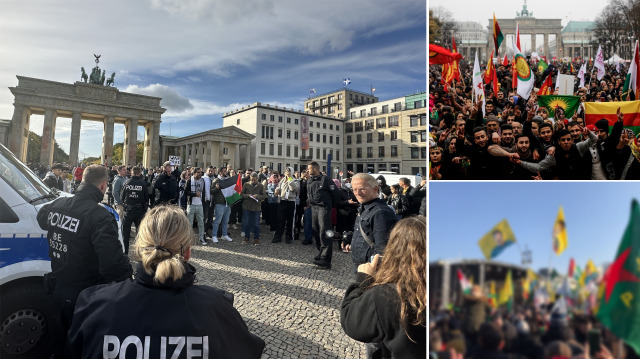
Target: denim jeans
222 215
308 228
251 223
197 211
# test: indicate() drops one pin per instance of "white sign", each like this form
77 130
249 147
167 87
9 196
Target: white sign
566 83
175 160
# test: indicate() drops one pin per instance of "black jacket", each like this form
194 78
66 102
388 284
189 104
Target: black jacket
377 219
399 203
373 315
199 315
135 196
53 181
84 245
167 188
189 192
321 191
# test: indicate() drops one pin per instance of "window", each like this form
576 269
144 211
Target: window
331 127
288 151
358 138
271 133
337 155
415 152
363 113
348 140
423 152
310 153
381 151
295 135
279 118
394 151
279 133
374 111
380 136
369 152
337 128
348 153
324 153
417 104
288 133
350 96
324 138
368 124
264 116
423 120
337 140
267 132
295 151
317 137
310 123
394 135
381 122
395 167
348 127
394 121
423 136
358 126
397 106
353 114
332 99
340 96
359 152
225 150
414 136
413 121
318 154
340 107
382 167
288 119
271 147
369 137
385 109
262 148
295 121
271 118
310 137
324 126
237 121
318 124
279 150
330 139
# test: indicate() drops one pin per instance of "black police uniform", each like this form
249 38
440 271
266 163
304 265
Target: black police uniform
84 248
320 193
174 319
135 199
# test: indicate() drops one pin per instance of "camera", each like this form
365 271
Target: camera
346 237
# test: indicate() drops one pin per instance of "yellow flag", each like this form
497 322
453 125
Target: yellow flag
506 293
589 273
493 296
531 275
496 240
559 234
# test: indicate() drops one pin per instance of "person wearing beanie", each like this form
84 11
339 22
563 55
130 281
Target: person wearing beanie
602 155
53 179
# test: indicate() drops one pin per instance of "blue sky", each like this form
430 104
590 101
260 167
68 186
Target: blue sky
208 57
596 214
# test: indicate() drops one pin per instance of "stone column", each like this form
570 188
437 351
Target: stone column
558 44
107 140
152 143
19 137
546 46
48 137
165 153
196 158
236 156
215 154
206 157
76 124
533 42
181 152
131 142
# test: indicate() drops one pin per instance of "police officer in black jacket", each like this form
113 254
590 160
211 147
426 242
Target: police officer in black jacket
84 246
134 197
321 193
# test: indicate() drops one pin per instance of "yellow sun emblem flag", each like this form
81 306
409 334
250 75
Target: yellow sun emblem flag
568 103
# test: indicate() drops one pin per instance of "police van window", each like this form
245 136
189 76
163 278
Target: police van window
7 215
19 177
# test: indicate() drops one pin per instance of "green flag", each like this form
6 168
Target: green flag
568 103
619 309
625 89
542 66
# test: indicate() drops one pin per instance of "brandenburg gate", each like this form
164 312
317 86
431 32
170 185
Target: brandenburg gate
90 102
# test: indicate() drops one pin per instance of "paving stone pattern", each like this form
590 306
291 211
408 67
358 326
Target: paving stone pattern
282 296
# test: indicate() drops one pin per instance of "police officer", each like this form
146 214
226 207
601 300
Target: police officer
321 193
134 198
84 246
373 224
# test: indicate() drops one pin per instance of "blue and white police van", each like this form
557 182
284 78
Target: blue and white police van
26 312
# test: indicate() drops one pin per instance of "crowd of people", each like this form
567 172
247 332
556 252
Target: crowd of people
508 137
472 328
375 222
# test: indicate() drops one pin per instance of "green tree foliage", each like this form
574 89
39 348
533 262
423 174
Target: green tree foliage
35 148
118 152
434 27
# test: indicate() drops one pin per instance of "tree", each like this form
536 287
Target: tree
446 27
35 147
612 27
118 153
434 27
630 9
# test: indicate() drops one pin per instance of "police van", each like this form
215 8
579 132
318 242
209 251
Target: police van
26 312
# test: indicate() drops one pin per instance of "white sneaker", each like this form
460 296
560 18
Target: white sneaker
214 239
241 234
204 243
227 238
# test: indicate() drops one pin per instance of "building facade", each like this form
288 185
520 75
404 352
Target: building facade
278 141
578 39
337 103
471 38
388 136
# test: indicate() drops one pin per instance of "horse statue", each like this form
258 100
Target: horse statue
102 77
110 80
84 77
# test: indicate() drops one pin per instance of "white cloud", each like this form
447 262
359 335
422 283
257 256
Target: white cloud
171 99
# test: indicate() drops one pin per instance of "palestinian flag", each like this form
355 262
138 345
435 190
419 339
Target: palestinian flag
542 65
439 55
231 188
464 283
619 308
568 103
597 110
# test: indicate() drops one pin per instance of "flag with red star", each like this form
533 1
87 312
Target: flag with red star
619 309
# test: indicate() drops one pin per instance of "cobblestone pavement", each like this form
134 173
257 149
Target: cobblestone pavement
282 296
